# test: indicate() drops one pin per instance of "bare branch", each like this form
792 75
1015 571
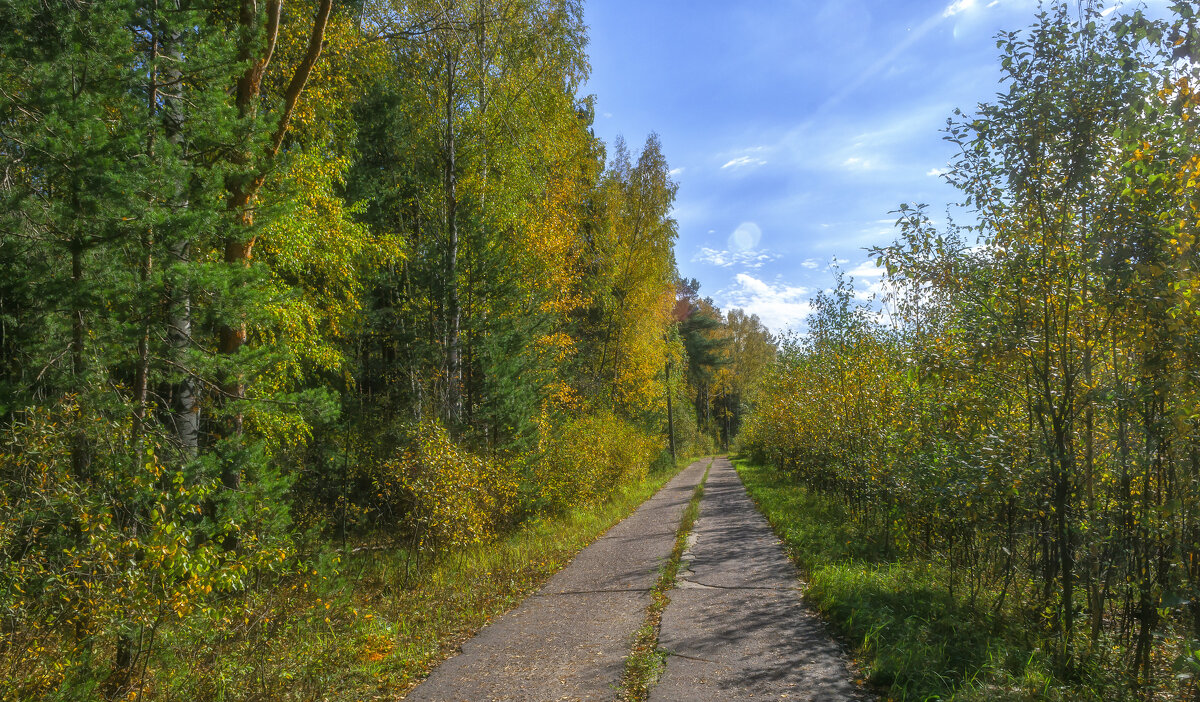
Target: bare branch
292 95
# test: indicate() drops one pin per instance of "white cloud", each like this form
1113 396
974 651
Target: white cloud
957 6
714 257
751 258
810 264
608 115
937 171
857 163
675 171
873 291
743 162
866 269
779 305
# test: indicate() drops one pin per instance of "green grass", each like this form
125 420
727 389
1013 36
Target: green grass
367 628
646 661
911 639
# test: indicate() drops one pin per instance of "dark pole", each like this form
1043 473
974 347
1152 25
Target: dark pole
670 418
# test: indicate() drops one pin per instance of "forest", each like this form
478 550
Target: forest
302 304
1012 428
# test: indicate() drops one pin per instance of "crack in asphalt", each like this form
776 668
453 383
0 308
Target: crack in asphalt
706 586
692 658
591 592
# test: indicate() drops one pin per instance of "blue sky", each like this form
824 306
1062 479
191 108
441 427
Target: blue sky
793 126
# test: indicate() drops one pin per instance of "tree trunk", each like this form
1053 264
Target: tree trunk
242 188
1066 554
184 395
453 313
80 452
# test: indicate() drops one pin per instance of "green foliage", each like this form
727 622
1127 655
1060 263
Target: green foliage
690 438
87 557
267 286
911 638
365 623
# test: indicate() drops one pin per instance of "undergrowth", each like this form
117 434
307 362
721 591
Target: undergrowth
912 640
362 625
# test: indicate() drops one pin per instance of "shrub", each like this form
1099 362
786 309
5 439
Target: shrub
446 496
585 459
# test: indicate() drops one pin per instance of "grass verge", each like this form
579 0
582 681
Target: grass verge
364 628
913 641
646 660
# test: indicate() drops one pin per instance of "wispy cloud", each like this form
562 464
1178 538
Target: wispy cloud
957 6
915 35
937 172
675 171
810 264
743 162
879 145
778 305
858 163
751 258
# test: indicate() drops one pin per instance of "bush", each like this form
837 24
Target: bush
587 458
446 496
94 552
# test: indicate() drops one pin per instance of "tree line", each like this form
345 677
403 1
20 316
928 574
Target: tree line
276 276
1022 409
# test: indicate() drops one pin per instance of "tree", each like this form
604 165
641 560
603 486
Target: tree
750 349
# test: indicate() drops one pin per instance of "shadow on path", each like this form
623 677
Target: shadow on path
569 640
736 627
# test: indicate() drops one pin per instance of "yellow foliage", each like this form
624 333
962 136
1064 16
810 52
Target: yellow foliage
585 459
449 497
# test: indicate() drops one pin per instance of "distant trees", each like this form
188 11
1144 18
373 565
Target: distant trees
749 350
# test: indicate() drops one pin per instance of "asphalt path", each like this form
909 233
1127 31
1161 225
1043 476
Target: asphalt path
736 628
569 641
